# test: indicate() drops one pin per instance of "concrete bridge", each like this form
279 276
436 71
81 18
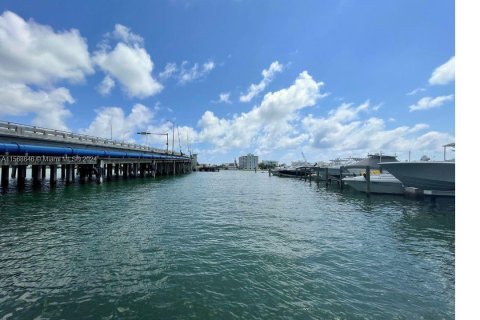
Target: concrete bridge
78 156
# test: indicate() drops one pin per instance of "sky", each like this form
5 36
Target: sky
273 78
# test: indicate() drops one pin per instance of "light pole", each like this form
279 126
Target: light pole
145 133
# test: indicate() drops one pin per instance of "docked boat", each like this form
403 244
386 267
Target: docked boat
383 183
372 161
425 175
292 172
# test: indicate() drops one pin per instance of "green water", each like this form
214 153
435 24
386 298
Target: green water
223 245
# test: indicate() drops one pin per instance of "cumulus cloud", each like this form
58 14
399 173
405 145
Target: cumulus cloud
129 64
33 57
443 74
113 121
268 75
106 86
428 103
267 125
363 135
48 106
32 53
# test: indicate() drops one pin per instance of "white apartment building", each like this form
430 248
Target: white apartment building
249 162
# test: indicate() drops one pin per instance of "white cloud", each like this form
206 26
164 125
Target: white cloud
415 91
267 126
113 121
334 136
124 34
168 72
224 97
444 74
268 75
31 53
428 102
196 72
106 86
48 106
128 63
35 54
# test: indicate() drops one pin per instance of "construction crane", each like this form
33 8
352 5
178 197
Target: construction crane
304 158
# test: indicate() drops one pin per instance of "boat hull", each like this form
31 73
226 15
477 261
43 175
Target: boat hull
383 184
425 175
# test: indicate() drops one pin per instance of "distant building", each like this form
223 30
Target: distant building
249 162
269 163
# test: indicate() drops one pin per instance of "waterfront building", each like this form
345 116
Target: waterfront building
269 163
248 162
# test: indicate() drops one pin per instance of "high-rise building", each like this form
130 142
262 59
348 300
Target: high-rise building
249 162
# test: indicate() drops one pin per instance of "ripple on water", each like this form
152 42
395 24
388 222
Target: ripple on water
229 245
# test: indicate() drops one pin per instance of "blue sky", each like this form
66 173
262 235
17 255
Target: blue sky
275 78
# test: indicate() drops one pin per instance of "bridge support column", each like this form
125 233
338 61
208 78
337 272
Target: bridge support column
117 170
36 175
125 170
68 174
142 170
22 174
109 171
14 172
44 172
63 169
53 174
5 177
173 167
99 170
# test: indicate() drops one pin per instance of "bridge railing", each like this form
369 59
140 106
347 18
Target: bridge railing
22 130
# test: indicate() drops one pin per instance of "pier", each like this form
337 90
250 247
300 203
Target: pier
76 156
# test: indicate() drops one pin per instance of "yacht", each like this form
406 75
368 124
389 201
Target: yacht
425 175
384 183
372 161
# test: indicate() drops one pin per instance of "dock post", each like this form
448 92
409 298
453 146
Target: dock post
318 175
73 172
341 177
63 168
117 170
125 170
326 176
5 177
173 167
367 177
14 172
142 170
53 174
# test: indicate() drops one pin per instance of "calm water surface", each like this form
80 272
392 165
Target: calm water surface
224 245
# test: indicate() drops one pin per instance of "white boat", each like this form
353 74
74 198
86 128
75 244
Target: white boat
425 175
372 161
380 183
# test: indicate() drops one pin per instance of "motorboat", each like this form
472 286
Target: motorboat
292 172
425 175
372 160
384 183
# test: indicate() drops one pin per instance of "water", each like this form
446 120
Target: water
223 245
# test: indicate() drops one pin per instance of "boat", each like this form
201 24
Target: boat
292 172
425 175
372 160
384 183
